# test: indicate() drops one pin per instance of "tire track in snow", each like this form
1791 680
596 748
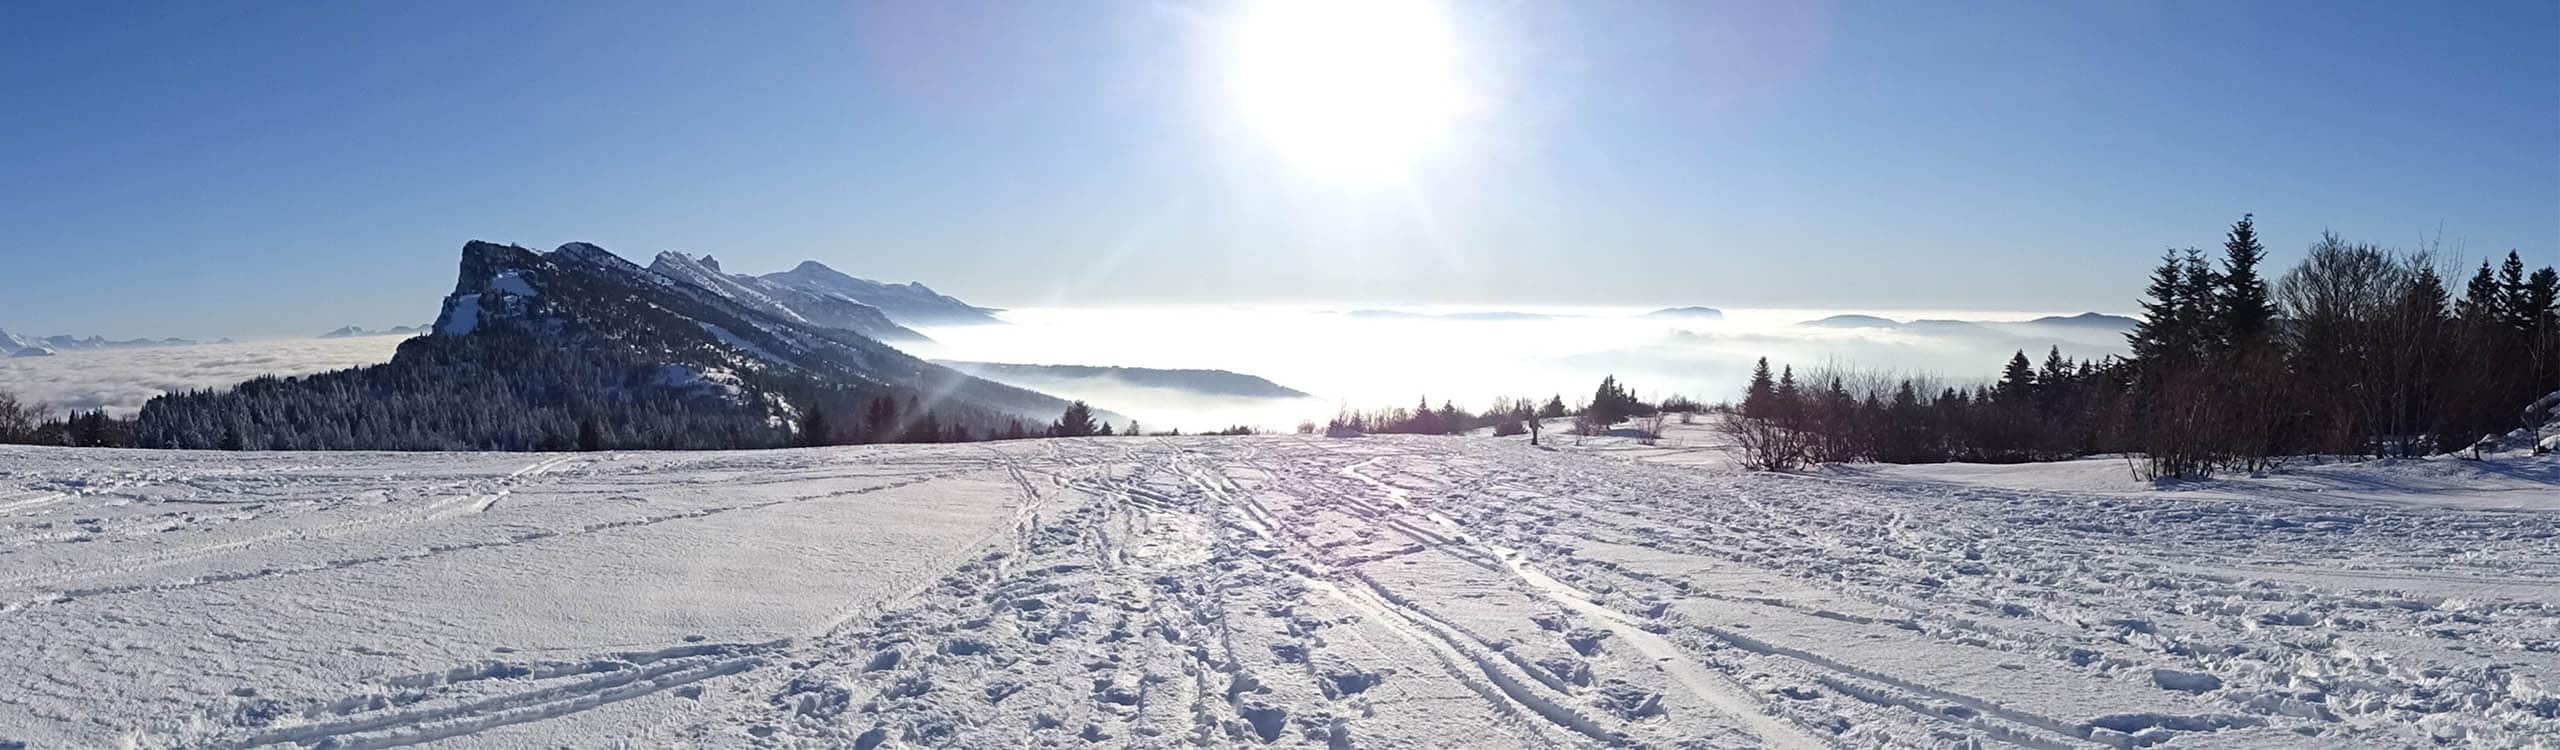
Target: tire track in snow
1509 690
145 561
1917 697
1496 687
1707 685
37 500
359 721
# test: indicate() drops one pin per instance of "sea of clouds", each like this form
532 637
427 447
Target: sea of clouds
120 380
1372 360
1340 356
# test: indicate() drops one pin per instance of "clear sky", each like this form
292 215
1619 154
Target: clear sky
283 168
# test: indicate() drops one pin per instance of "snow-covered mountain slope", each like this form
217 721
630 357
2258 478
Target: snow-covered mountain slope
1289 591
783 301
537 349
911 303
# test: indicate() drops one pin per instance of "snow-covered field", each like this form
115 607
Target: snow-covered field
1355 593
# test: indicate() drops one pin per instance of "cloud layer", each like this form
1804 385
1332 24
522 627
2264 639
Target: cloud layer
120 380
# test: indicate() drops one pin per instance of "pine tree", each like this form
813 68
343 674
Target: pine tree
2243 304
2162 334
1903 439
924 429
1423 421
1789 400
2426 294
2541 294
2018 380
2199 302
882 419
814 429
1759 400
590 435
2515 296
1077 421
2481 299
1610 403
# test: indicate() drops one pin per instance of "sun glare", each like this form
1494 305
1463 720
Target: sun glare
1350 91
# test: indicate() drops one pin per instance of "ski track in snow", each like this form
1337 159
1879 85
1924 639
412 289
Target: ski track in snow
1288 591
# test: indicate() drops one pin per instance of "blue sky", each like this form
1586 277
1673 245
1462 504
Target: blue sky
202 169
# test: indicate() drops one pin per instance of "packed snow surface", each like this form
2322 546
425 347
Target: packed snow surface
1294 591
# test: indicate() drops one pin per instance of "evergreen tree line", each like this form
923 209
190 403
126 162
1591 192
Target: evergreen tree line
880 421
1610 403
2061 409
2356 350
22 424
1506 415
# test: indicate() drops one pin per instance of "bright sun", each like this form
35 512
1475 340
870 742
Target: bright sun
1347 90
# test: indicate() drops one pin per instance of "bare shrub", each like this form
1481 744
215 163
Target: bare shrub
1763 444
17 419
1651 428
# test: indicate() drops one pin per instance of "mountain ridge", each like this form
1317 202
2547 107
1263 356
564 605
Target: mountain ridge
577 346
787 302
909 304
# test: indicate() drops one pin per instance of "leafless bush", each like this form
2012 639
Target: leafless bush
1651 427
17 419
1763 444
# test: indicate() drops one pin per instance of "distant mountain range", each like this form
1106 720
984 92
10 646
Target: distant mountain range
910 304
1197 382
2089 321
2100 321
784 301
349 332
1692 312
547 350
20 345
1492 316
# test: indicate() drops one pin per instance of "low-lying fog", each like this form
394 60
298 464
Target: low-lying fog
120 380
1361 357
1367 358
